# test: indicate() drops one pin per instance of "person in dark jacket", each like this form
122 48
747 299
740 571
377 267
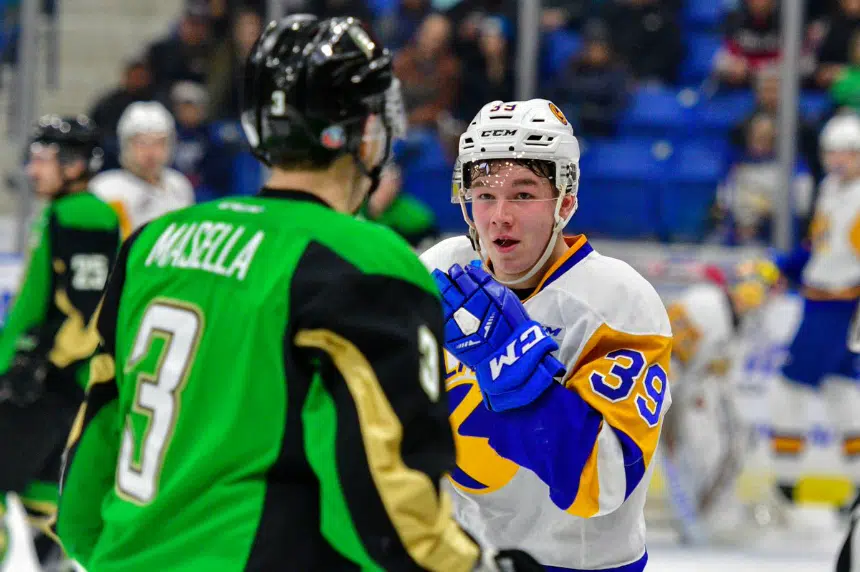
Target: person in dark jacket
593 89
647 36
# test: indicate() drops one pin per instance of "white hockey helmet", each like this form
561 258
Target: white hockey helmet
145 117
534 129
841 133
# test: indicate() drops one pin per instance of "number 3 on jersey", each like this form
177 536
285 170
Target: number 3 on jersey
627 367
160 360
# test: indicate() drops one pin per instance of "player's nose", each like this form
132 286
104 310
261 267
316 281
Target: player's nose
503 213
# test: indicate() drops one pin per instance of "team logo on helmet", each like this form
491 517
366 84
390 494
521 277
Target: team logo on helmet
333 137
558 114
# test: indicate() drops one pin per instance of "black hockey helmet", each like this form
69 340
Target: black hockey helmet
309 87
74 138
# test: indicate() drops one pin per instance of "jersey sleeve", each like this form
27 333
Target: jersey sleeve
93 445
624 378
592 438
31 303
371 341
104 187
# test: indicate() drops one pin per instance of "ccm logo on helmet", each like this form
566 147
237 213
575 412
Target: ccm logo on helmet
499 133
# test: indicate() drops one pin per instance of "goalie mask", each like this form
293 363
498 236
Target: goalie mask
531 133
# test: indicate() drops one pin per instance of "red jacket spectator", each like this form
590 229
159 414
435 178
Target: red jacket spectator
751 42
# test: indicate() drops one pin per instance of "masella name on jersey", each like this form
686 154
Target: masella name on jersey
212 246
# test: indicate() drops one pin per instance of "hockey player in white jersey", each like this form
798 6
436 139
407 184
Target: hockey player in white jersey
705 439
557 357
145 188
821 356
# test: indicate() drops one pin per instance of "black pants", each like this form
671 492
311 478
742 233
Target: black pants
32 440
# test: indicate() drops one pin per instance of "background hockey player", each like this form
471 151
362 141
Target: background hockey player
269 396
706 440
145 188
73 246
819 358
557 358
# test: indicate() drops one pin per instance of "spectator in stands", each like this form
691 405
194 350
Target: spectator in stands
647 36
835 51
572 14
752 41
766 84
745 199
817 10
594 88
185 54
493 78
399 25
136 85
429 74
225 78
467 17
846 86
224 12
204 150
329 8
332 8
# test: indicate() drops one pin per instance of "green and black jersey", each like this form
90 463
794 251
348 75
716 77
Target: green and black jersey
268 398
73 247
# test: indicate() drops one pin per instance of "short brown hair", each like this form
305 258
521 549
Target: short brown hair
541 168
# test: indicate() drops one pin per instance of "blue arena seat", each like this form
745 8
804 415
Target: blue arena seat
630 159
617 208
722 112
704 14
701 49
655 112
559 47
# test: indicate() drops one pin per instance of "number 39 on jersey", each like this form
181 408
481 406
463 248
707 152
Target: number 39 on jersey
627 370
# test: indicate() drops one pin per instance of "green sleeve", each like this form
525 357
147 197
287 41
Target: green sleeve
31 302
407 216
89 474
845 89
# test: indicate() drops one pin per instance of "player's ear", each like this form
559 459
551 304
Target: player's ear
373 141
73 170
567 204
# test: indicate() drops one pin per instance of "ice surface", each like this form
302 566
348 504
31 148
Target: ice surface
810 544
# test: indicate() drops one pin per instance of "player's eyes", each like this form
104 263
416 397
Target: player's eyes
485 197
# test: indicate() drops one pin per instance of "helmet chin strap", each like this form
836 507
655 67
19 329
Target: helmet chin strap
559 225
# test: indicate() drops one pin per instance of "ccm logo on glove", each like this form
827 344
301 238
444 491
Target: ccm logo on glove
515 350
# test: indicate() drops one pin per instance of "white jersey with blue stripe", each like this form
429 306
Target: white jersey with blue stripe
833 270
576 501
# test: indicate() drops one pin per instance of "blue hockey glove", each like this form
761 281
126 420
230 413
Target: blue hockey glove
480 313
487 329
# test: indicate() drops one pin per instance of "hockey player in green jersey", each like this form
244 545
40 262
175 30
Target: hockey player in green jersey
73 245
267 395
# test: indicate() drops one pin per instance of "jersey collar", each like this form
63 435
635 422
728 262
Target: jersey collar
578 248
291 194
